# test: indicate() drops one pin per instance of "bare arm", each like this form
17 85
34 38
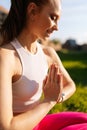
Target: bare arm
31 118
68 84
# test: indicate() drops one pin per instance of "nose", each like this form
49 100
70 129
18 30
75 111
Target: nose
55 26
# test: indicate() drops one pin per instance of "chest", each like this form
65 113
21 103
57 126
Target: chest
29 77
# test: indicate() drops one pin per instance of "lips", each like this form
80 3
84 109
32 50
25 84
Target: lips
49 31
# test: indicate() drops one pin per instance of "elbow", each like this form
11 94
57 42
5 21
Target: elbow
13 124
8 126
74 87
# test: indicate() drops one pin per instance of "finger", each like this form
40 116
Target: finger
55 76
58 71
51 73
60 81
45 80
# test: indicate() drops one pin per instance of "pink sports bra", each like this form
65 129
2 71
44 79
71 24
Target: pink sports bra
28 89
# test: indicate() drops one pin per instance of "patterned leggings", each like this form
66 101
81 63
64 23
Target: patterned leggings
64 121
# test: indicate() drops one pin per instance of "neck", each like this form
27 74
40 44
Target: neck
28 41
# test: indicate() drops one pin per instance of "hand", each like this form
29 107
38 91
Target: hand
53 84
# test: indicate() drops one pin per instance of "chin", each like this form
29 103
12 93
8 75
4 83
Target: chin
46 38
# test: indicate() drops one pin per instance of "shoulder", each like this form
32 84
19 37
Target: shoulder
7 52
48 50
7 57
51 53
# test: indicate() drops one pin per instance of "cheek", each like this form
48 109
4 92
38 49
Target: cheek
46 23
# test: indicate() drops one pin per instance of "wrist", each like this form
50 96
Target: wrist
61 98
51 103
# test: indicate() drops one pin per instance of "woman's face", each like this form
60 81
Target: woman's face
45 21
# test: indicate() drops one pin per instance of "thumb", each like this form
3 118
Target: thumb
45 80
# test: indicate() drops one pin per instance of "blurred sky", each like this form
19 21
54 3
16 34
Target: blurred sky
73 21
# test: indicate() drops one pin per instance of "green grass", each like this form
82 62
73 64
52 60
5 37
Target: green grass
76 65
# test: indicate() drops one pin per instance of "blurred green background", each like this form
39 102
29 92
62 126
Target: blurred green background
76 64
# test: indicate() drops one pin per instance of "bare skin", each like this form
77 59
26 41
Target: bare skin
57 81
8 75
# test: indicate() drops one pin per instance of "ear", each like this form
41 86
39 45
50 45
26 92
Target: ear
32 9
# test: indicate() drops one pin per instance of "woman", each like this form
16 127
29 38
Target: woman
24 67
